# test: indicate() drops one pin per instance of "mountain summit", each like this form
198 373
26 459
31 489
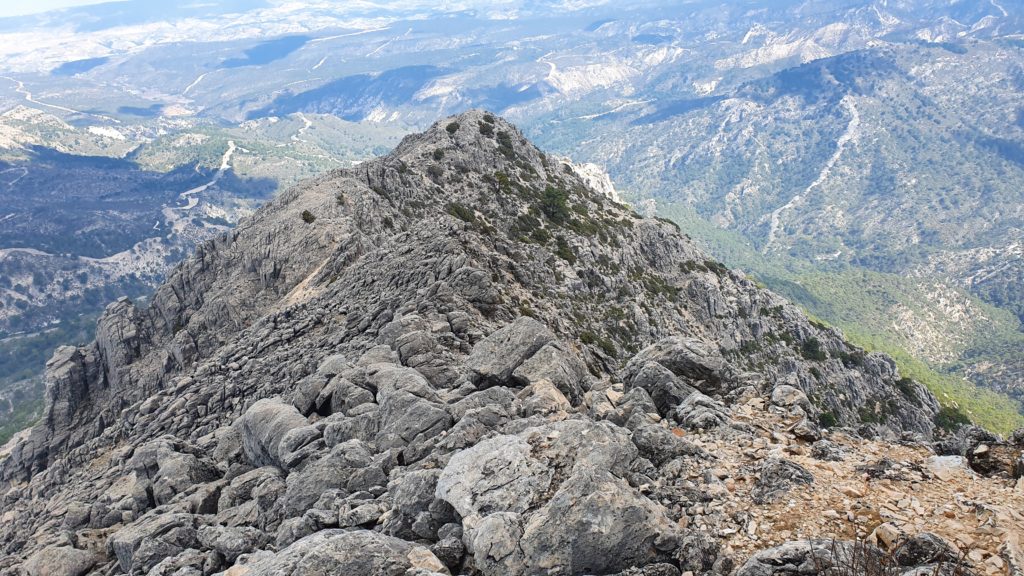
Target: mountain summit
457 358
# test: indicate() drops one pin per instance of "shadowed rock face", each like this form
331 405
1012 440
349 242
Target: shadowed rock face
466 361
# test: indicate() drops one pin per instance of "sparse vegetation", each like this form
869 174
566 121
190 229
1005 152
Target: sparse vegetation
606 345
563 250
860 304
24 416
906 387
461 212
505 144
554 205
671 223
950 418
452 127
811 350
827 420
308 217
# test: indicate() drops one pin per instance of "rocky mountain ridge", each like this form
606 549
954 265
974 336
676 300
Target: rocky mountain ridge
457 358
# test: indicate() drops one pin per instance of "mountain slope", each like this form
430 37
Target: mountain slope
883 312
901 158
373 346
868 136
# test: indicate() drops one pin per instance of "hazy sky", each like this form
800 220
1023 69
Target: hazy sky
22 7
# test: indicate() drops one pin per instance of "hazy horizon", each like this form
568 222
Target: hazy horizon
25 8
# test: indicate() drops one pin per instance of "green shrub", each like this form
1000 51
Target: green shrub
487 129
489 118
563 250
671 223
554 204
656 285
606 345
438 154
452 128
950 418
717 267
906 387
869 416
503 182
505 145
749 347
461 212
691 266
811 350
852 360
435 171
540 236
308 217
827 420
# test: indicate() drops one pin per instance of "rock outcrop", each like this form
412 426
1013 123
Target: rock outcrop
455 359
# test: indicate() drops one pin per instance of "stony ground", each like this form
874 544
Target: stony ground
871 490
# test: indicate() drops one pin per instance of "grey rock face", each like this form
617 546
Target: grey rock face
495 358
61 561
583 521
66 389
409 406
924 548
665 388
469 362
496 475
264 426
152 538
232 542
809 557
561 368
358 552
697 363
659 445
825 450
507 491
776 477
788 396
699 553
698 411
167 467
337 469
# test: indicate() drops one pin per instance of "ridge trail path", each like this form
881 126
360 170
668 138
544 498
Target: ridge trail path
22 169
850 135
20 89
194 83
174 214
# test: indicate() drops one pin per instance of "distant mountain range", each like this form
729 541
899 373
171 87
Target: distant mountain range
864 158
